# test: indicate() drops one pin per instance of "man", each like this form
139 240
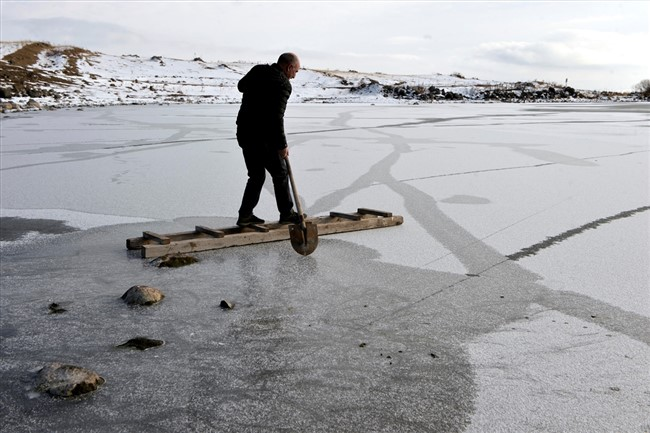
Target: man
260 134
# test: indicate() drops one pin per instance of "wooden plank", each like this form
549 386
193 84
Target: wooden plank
137 243
259 228
204 244
209 231
276 232
381 213
328 228
161 239
348 216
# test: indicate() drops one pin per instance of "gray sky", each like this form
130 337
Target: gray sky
595 45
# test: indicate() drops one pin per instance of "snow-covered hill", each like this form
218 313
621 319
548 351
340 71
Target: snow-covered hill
40 75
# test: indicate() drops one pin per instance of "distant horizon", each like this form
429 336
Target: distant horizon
307 67
594 45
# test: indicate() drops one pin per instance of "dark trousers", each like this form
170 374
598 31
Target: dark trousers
260 159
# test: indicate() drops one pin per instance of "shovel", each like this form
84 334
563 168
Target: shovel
304 236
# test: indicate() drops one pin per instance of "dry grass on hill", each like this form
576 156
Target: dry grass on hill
19 67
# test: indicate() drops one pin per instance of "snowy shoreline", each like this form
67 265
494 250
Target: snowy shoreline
41 76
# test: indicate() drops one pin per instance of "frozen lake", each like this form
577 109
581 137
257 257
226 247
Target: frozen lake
517 287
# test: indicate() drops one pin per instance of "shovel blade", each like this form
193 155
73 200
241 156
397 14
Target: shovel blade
304 241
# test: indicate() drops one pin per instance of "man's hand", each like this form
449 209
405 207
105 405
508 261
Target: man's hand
284 153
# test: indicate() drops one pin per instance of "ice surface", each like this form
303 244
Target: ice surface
80 220
400 329
531 372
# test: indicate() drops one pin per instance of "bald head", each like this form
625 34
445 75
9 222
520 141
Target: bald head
290 64
287 59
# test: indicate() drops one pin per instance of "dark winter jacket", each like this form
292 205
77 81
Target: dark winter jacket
265 91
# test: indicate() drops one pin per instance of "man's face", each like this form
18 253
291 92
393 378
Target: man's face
292 69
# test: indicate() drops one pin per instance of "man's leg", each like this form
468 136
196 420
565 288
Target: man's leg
277 167
256 175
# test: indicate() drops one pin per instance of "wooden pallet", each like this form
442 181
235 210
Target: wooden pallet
204 238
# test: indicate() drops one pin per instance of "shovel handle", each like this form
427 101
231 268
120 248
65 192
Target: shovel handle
295 194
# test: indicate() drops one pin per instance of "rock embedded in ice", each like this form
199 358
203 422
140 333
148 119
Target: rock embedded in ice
226 305
142 295
142 343
64 380
56 308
